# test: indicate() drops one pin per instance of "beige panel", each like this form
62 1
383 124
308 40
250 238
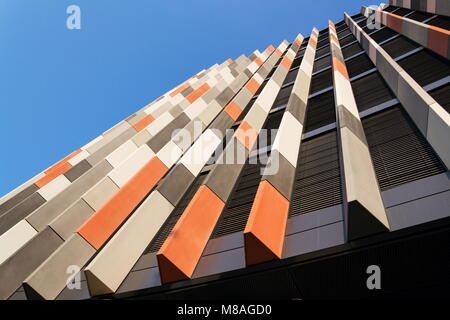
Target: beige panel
50 278
50 190
100 193
127 245
15 238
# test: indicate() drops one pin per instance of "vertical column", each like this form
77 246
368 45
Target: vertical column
434 38
134 185
441 7
161 202
365 212
265 229
182 250
430 118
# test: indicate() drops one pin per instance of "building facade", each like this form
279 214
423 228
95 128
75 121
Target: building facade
316 169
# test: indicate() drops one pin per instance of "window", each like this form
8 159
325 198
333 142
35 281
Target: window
282 97
358 65
317 181
321 63
322 51
351 50
344 33
167 227
290 77
399 46
442 96
321 81
400 153
426 67
371 91
235 215
420 16
383 34
441 22
320 111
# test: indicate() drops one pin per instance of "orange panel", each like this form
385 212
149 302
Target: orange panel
395 22
246 135
197 93
252 85
298 42
53 174
339 66
62 161
102 224
335 40
141 124
258 61
233 110
183 248
438 40
230 60
270 48
180 88
286 62
266 225
313 41
278 52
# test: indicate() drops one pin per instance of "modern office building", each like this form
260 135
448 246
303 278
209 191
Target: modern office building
350 197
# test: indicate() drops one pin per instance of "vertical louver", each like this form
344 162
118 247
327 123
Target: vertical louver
162 234
400 153
370 91
426 67
317 184
320 111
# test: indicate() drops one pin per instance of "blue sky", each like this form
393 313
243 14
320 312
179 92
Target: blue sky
60 88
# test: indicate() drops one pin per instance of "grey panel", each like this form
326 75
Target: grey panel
222 179
14 270
141 279
101 153
146 261
419 211
220 262
225 97
22 195
76 293
76 171
72 218
23 209
165 135
41 217
222 122
176 183
314 219
417 189
283 179
313 240
228 242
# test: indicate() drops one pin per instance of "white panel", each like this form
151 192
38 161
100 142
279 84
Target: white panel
287 140
196 157
90 144
121 153
131 165
128 244
13 239
54 187
169 154
157 125
195 108
79 157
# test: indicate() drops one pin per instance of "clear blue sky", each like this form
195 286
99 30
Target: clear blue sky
60 88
